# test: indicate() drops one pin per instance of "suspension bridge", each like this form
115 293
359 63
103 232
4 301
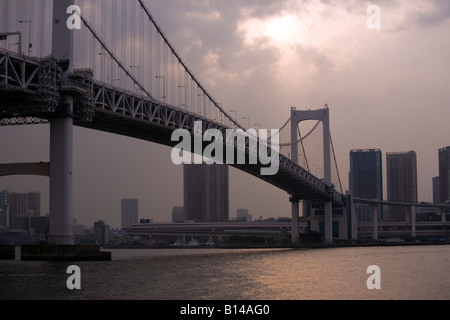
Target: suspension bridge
120 74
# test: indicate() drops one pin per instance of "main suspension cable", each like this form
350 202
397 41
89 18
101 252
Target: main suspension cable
335 162
167 42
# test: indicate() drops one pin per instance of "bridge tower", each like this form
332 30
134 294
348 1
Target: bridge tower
61 135
322 115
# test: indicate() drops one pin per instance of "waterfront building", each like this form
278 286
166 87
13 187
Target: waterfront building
102 233
401 171
33 225
23 205
129 212
206 192
444 174
436 190
4 196
178 215
243 215
366 180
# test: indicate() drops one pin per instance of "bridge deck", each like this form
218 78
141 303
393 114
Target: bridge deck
30 97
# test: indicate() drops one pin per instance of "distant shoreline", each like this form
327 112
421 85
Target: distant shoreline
290 246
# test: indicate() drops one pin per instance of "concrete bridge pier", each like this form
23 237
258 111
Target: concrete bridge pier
61 136
412 210
295 213
374 209
410 218
61 164
328 222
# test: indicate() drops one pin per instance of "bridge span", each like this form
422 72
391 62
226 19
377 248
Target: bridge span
35 90
51 89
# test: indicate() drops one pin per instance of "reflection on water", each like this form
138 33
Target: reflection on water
225 274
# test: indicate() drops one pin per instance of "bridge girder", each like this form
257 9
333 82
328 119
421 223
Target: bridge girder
107 108
34 169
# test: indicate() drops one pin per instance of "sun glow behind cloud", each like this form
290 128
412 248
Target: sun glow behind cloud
310 41
316 39
281 31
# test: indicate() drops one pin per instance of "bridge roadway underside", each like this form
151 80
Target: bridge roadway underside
160 134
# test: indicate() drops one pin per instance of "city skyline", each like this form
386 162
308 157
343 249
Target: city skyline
128 204
386 89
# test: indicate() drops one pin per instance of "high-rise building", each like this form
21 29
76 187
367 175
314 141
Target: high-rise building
23 205
366 180
4 196
401 171
436 191
243 215
33 225
178 215
206 192
444 174
102 233
129 212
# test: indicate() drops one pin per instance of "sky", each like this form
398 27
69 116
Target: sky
386 88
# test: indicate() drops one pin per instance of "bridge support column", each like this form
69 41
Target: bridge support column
61 153
322 115
374 209
413 221
295 212
443 214
329 222
61 134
